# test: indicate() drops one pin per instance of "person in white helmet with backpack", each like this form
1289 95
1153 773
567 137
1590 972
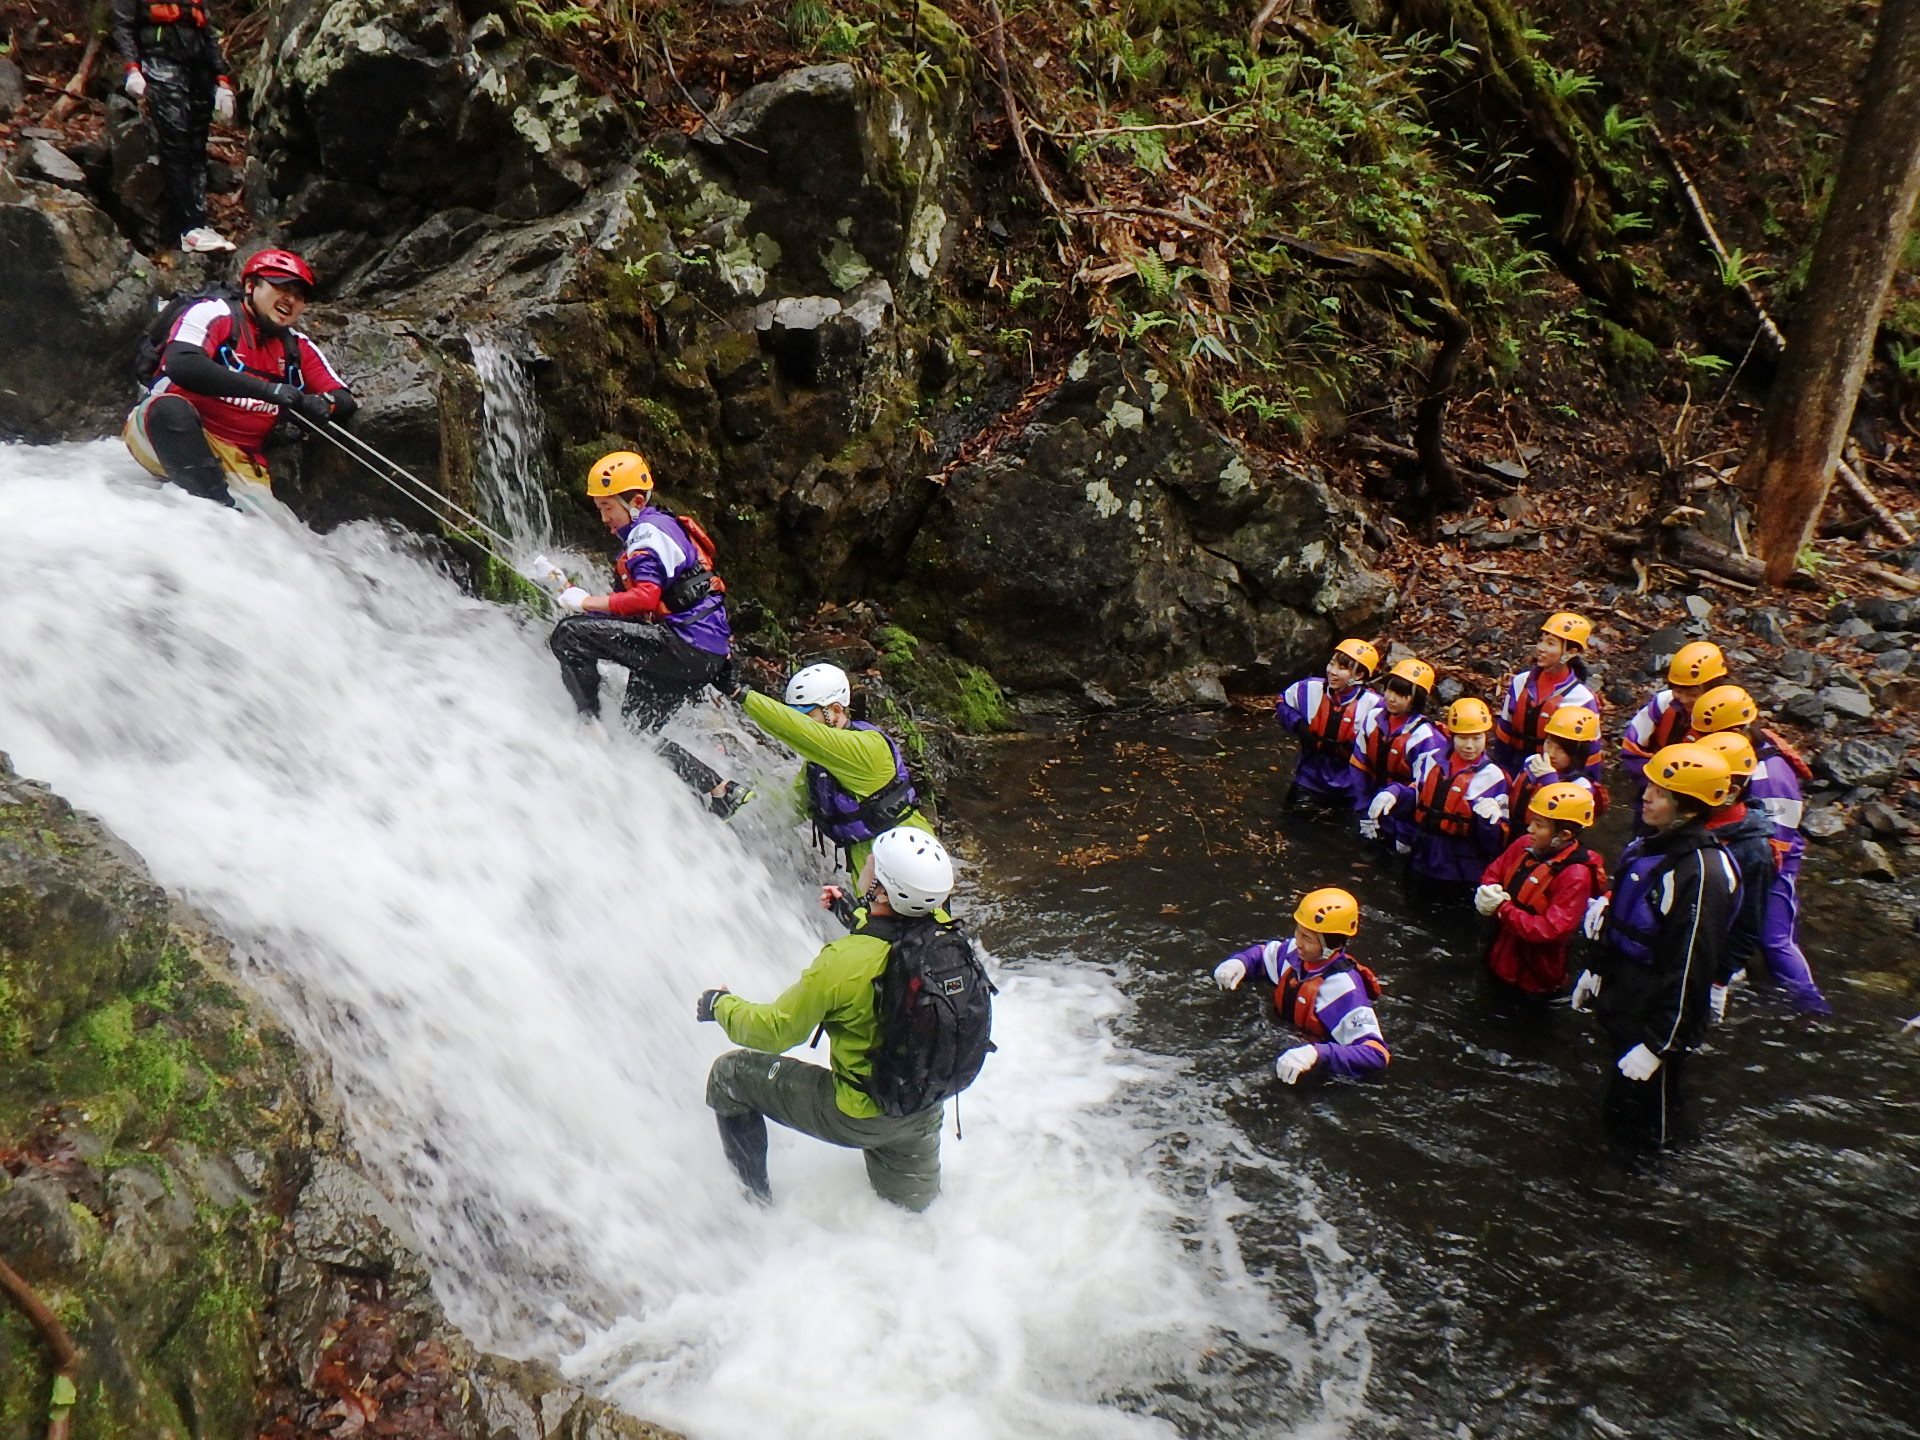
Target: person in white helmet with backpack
855 783
907 1011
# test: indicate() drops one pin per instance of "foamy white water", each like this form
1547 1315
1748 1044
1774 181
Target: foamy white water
494 926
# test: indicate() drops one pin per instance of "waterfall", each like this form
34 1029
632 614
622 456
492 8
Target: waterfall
513 473
493 925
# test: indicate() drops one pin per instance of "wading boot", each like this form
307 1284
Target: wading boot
744 1138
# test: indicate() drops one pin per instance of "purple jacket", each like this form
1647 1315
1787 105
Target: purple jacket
1775 788
1341 1005
656 550
1325 760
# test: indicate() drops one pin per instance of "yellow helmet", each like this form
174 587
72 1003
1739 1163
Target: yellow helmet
1694 770
1563 804
1572 628
1330 912
1573 722
1700 663
620 473
1468 716
1361 653
1416 673
1725 707
1734 748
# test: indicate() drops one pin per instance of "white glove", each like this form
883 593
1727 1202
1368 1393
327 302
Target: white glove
1539 767
1382 805
135 84
223 104
1585 990
1717 1004
1639 1063
1492 809
1369 829
1230 972
1596 917
573 598
1489 898
542 571
1294 1063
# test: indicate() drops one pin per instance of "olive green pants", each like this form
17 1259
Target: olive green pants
903 1154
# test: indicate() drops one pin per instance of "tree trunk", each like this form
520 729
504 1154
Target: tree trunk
1790 465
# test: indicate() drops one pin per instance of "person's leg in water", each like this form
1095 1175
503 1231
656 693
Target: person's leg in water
180 112
1780 948
168 430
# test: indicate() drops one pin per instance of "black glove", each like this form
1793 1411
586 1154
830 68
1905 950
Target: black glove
728 681
343 404
703 1011
313 407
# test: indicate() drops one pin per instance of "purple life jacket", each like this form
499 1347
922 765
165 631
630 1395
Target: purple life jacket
839 816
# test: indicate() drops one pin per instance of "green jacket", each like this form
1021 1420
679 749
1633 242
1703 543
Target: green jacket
861 760
834 992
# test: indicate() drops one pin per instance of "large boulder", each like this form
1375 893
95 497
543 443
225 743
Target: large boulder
1120 547
74 298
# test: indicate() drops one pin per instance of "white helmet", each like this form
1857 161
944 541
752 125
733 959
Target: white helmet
914 867
821 684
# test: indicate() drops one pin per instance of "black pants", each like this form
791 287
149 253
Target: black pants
179 441
663 673
1645 1115
180 112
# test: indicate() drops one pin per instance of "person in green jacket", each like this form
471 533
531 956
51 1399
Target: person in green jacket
855 782
907 874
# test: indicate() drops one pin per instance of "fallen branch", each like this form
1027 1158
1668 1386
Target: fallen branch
1262 20
77 86
687 95
1012 104
1850 480
1217 117
1174 215
66 1359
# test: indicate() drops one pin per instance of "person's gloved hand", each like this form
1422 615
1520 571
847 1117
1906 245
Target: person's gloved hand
1230 972
573 600
1585 990
1294 1063
1491 808
343 403
1717 1003
1369 829
1639 1063
1489 898
703 1009
136 83
729 680
542 571
316 408
1539 767
1382 805
223 103
1596 916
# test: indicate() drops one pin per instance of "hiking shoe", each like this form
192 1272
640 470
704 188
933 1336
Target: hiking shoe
733 795
205 240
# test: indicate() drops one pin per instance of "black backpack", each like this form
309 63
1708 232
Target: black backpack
935 1006
146 355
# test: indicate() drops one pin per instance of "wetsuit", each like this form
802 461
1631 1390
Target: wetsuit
1660 953
670 656
177 49
209 412
1326 725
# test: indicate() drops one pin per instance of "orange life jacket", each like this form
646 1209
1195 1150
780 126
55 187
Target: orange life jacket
186 12
1529 721
1531 893
1387 757
1297 998
1330 727
1450 813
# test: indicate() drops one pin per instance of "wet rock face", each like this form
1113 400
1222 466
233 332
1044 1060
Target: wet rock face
74 298
1120 547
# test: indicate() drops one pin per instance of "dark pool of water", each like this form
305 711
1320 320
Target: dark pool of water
1764 1281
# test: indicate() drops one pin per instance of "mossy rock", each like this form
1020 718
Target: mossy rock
963 695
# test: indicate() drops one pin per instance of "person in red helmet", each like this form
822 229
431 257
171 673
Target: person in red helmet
174 64
228 368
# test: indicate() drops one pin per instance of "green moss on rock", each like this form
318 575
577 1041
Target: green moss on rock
964 695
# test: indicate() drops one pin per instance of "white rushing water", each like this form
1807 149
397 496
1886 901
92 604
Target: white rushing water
512 473
493 927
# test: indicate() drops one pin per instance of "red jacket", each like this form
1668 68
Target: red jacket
208 326
1530 946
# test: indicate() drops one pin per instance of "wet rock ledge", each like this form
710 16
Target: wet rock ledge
174 1185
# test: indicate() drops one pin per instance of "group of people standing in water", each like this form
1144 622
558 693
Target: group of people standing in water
1493 809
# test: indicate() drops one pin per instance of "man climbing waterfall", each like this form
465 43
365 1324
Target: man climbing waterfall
665 619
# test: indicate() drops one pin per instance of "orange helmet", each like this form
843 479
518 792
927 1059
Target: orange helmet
620 473
1573 722
1700 663
1576 630
1361 653
1734 748
1725 707
1416 673
1330 912
1468 716
1563 804
1692 769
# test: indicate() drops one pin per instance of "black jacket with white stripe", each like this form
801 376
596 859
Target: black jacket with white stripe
1663 1004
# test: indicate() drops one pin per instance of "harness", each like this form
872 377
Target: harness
1531 893
844 819
229 352
697 581
1330 727
1453 813
1298 996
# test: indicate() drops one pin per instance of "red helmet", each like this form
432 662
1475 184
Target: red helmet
276 265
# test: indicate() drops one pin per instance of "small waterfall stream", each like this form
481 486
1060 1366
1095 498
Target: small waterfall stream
514 473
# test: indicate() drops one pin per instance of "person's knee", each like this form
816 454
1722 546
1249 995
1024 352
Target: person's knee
567 641
723 1096
170 417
